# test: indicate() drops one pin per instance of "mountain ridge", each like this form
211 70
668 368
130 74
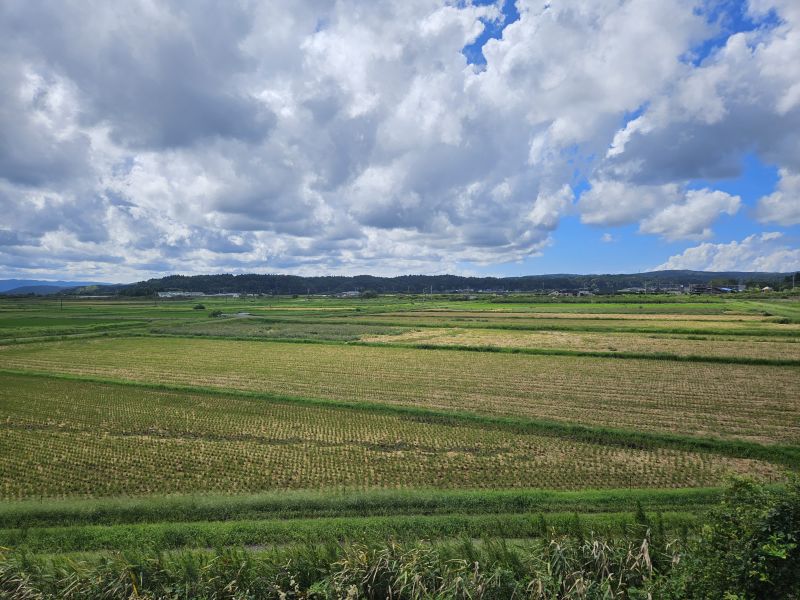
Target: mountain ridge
13 285
332 284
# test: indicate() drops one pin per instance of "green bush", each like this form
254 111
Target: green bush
199 307
749 548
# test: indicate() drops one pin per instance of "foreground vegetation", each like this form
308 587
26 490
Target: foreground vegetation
747 550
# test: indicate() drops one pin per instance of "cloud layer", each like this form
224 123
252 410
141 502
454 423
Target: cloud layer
761 252
350 137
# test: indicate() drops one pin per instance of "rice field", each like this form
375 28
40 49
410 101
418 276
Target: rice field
19 329
597 316
766 326
757 403
69 438
696 346
138 423
250 327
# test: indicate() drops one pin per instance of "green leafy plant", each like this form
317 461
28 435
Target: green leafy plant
750 547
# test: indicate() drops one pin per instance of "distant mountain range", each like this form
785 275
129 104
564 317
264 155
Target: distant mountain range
293 284
38 286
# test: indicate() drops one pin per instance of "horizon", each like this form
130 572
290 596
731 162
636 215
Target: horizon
522 276
479 138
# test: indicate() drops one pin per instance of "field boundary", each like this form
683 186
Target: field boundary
305 504
256 534
788 456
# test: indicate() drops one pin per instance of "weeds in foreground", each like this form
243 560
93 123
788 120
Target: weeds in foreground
564 567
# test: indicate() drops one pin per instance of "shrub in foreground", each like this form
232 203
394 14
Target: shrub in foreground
749 548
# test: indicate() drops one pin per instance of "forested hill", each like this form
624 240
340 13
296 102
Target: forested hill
293 284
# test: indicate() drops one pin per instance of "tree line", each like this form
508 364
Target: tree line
420 284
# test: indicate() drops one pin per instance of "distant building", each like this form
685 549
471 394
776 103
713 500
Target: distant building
179 294
703 289
672 289
182 294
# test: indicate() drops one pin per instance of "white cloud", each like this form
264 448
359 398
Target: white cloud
611 202
783 205
759 252
663 210
743 97
692 218
352 136
547 208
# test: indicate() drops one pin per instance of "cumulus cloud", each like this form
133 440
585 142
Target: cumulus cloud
783 205
611 202
663 210
742 97
691 219
41 143
349 136
159 75
758 252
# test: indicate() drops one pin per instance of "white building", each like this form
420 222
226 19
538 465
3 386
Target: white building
179 294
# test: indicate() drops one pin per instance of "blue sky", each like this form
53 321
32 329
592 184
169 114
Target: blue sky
579 248
425 136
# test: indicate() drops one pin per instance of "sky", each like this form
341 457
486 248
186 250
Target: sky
143 138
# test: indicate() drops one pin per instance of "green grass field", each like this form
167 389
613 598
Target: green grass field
132 423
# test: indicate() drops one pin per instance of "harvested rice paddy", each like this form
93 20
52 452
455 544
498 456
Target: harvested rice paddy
750 402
